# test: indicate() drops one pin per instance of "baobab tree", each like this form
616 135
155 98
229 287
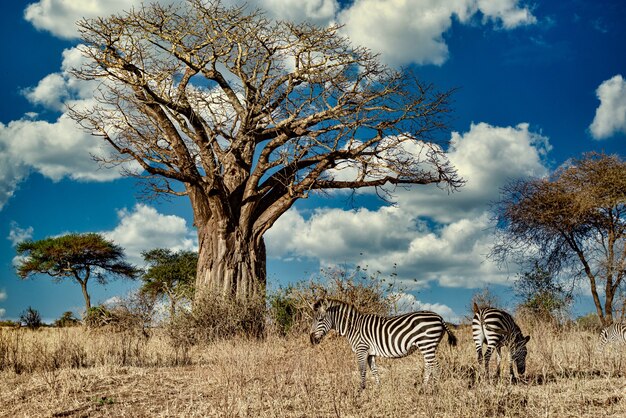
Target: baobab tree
245 115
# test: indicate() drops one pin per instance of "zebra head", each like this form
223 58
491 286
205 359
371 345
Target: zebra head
519 352
322 322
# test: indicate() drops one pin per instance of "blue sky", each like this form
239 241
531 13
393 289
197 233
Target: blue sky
537 83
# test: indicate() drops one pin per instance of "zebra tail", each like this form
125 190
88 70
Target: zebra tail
451 337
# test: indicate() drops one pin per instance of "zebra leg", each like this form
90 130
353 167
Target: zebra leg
498 361
479 352
431 370
371 361
361 357
487 357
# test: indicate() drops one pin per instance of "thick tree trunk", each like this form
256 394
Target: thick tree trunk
230 264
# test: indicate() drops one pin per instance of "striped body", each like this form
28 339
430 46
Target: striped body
374 335
496 329
614 333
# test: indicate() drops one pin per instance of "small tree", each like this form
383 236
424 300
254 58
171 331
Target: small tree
170 275
31 318
573 222
541 294
75 256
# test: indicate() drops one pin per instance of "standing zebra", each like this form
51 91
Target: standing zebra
374 335
497 328
614 333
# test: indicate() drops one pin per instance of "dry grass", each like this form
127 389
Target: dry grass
75 373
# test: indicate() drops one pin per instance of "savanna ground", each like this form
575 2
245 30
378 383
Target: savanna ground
74 372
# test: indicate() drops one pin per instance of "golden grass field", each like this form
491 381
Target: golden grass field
72 372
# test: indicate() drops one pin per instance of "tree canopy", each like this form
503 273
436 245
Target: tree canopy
573 223
169 275
77 257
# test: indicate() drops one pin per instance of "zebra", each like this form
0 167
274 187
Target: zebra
614 333
373 335
497 328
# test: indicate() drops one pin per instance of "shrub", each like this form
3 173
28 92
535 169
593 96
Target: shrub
284 310
67 320
31 318
98 316
589 322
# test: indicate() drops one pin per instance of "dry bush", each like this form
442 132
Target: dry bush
289 311
213 319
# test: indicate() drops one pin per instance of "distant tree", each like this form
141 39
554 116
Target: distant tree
573 223
75 256
245 116
541 293
170 275
67 320
31 318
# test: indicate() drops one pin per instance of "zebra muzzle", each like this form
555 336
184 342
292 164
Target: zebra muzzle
314 339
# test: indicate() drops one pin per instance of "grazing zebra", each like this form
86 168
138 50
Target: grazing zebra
374 335
614 333
497 328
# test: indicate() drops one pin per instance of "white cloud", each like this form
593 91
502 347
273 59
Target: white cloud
429 236
407 302
486 157
412 31
3 295
17 234
59 16
12 173
2 312
144 229
55 149
320 12
611 114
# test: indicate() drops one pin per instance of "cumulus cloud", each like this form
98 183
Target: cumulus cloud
17 234
611 114
143 228
429 236
58 149
3 295
486 157
412 31
55 149
402 31
2 312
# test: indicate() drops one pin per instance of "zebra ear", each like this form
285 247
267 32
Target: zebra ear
475 307
321 305
526 339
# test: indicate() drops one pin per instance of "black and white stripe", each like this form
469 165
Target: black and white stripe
374 335
497 329
614 333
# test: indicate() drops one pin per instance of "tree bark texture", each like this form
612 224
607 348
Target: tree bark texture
230 264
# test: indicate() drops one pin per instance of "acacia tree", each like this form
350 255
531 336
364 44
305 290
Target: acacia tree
169 274
244 116
573 223
74 256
